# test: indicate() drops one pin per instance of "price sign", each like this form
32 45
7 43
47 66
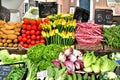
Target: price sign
47 8
41 75
4 71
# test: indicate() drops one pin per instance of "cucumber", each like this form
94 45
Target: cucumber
89 77
74 76
92 77
79 77
69 77
85 77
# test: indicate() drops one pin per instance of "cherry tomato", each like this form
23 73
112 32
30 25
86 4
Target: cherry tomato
28 37
23 35
25 45
21 43
20 38
33 42
37 32
37 42
24 26
38 37
41 37
29 41
24 39
23 31
42 41
33 37
28 32
34 27
33 22
26 21
39 21
28 27
39 28
29 45
46 20
32 32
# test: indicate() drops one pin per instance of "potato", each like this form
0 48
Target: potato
4 36
4 41
7 31
15 40
17 29
19 24
5 44
9 41
0 40
10 45
9 27
1 44
15 45
11 36
17 33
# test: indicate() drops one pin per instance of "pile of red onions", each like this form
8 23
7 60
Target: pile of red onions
88 34
72 59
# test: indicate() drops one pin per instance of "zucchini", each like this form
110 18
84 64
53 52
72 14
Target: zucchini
79 77
85 77
74 76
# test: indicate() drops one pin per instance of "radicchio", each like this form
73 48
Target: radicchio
56 62
62 57
79 64
69 65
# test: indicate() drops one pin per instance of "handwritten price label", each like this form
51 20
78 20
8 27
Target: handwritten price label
41 75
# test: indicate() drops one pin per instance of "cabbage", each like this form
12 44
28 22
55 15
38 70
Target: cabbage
96 66
107 64
89 58
87 69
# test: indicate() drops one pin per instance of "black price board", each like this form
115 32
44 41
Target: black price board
4 71
47 8
103 16
81 14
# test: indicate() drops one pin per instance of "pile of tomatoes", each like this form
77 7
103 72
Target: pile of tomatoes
31 33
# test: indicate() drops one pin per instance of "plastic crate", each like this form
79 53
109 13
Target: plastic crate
5 69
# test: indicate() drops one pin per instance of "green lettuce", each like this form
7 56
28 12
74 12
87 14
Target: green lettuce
89 58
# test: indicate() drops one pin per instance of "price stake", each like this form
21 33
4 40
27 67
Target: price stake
41 75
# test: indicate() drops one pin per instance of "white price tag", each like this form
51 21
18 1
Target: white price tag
41 75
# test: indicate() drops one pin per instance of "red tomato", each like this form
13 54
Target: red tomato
25 45
32 32
34 27
24 39
37 32
26 21
39 28
42 41
24 26
28 37
21 43
28 32
33 37
41 37
28 27
20 38
46 20
33 42
23 35
29 41
33 22
23 31
29 46
38 37
39 21
37 42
